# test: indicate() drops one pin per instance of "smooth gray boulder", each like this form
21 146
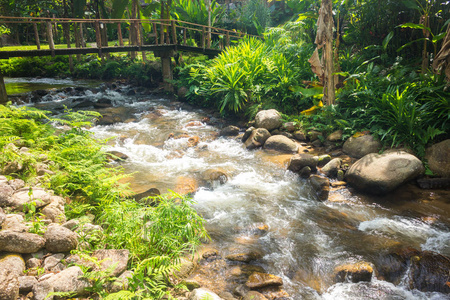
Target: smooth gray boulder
26 283
257 138
438 157
20 242
381 173
11 267
268 119
357 147
59 239
299 161
14 222
202 294
281 143
229 131
69 280
332 167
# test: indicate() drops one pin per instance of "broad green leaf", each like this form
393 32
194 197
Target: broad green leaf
410 4
410 43
415 26
118 8
438 37
387 39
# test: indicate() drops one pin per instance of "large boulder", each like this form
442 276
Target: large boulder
68 281
281 143
20 242
26 196
382 173
260 280
229 131
11 267
299 161
268 119
359 146
257 138
321 185
361 271
332 167
438 157
60 239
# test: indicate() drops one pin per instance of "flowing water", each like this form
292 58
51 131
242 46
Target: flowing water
303 239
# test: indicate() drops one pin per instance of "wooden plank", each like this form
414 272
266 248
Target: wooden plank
36 36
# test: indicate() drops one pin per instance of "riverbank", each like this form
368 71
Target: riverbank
262 218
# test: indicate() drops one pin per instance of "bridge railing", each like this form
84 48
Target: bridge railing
140 32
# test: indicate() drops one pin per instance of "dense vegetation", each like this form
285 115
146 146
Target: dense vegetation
157 237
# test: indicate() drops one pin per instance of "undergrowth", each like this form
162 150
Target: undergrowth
157 237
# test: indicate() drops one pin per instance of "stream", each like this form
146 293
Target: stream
262 207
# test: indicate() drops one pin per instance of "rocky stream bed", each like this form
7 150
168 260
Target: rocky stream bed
291 214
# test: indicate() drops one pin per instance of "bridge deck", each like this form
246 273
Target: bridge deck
70 51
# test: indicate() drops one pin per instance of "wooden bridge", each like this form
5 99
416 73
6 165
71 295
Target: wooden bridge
163 37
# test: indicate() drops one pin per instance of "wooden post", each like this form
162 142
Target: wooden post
174 33
83 42
104 35
161 34
66 29
203 37
166 33
329 61
119 33
208 38
98 37
51 44
36 36
228 39
184 36
77 38
3 95
155 31
141 41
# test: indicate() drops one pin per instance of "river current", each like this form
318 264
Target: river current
304 239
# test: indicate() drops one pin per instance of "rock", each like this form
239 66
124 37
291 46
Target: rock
299 161
14 222
424 183
281 144
12 167
314 135
213 176
25 196
202 294
26 283
2 216
191 284
305 172
11 267
244 256
247 133
110 257
103 103
182 92
20 242
321 185
33 263
116 156
438 157
226 296
193 141
69 280
55 210
6 191
121 283
332 167
361 271
361 146
257 138
186 185
152 192
429 272
71 224
241 290
253 295
340 175
51 262
60 239
335 136
186 268
16 183
268 119
229 131
382 173
299 135
323 160
260 280
289 126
